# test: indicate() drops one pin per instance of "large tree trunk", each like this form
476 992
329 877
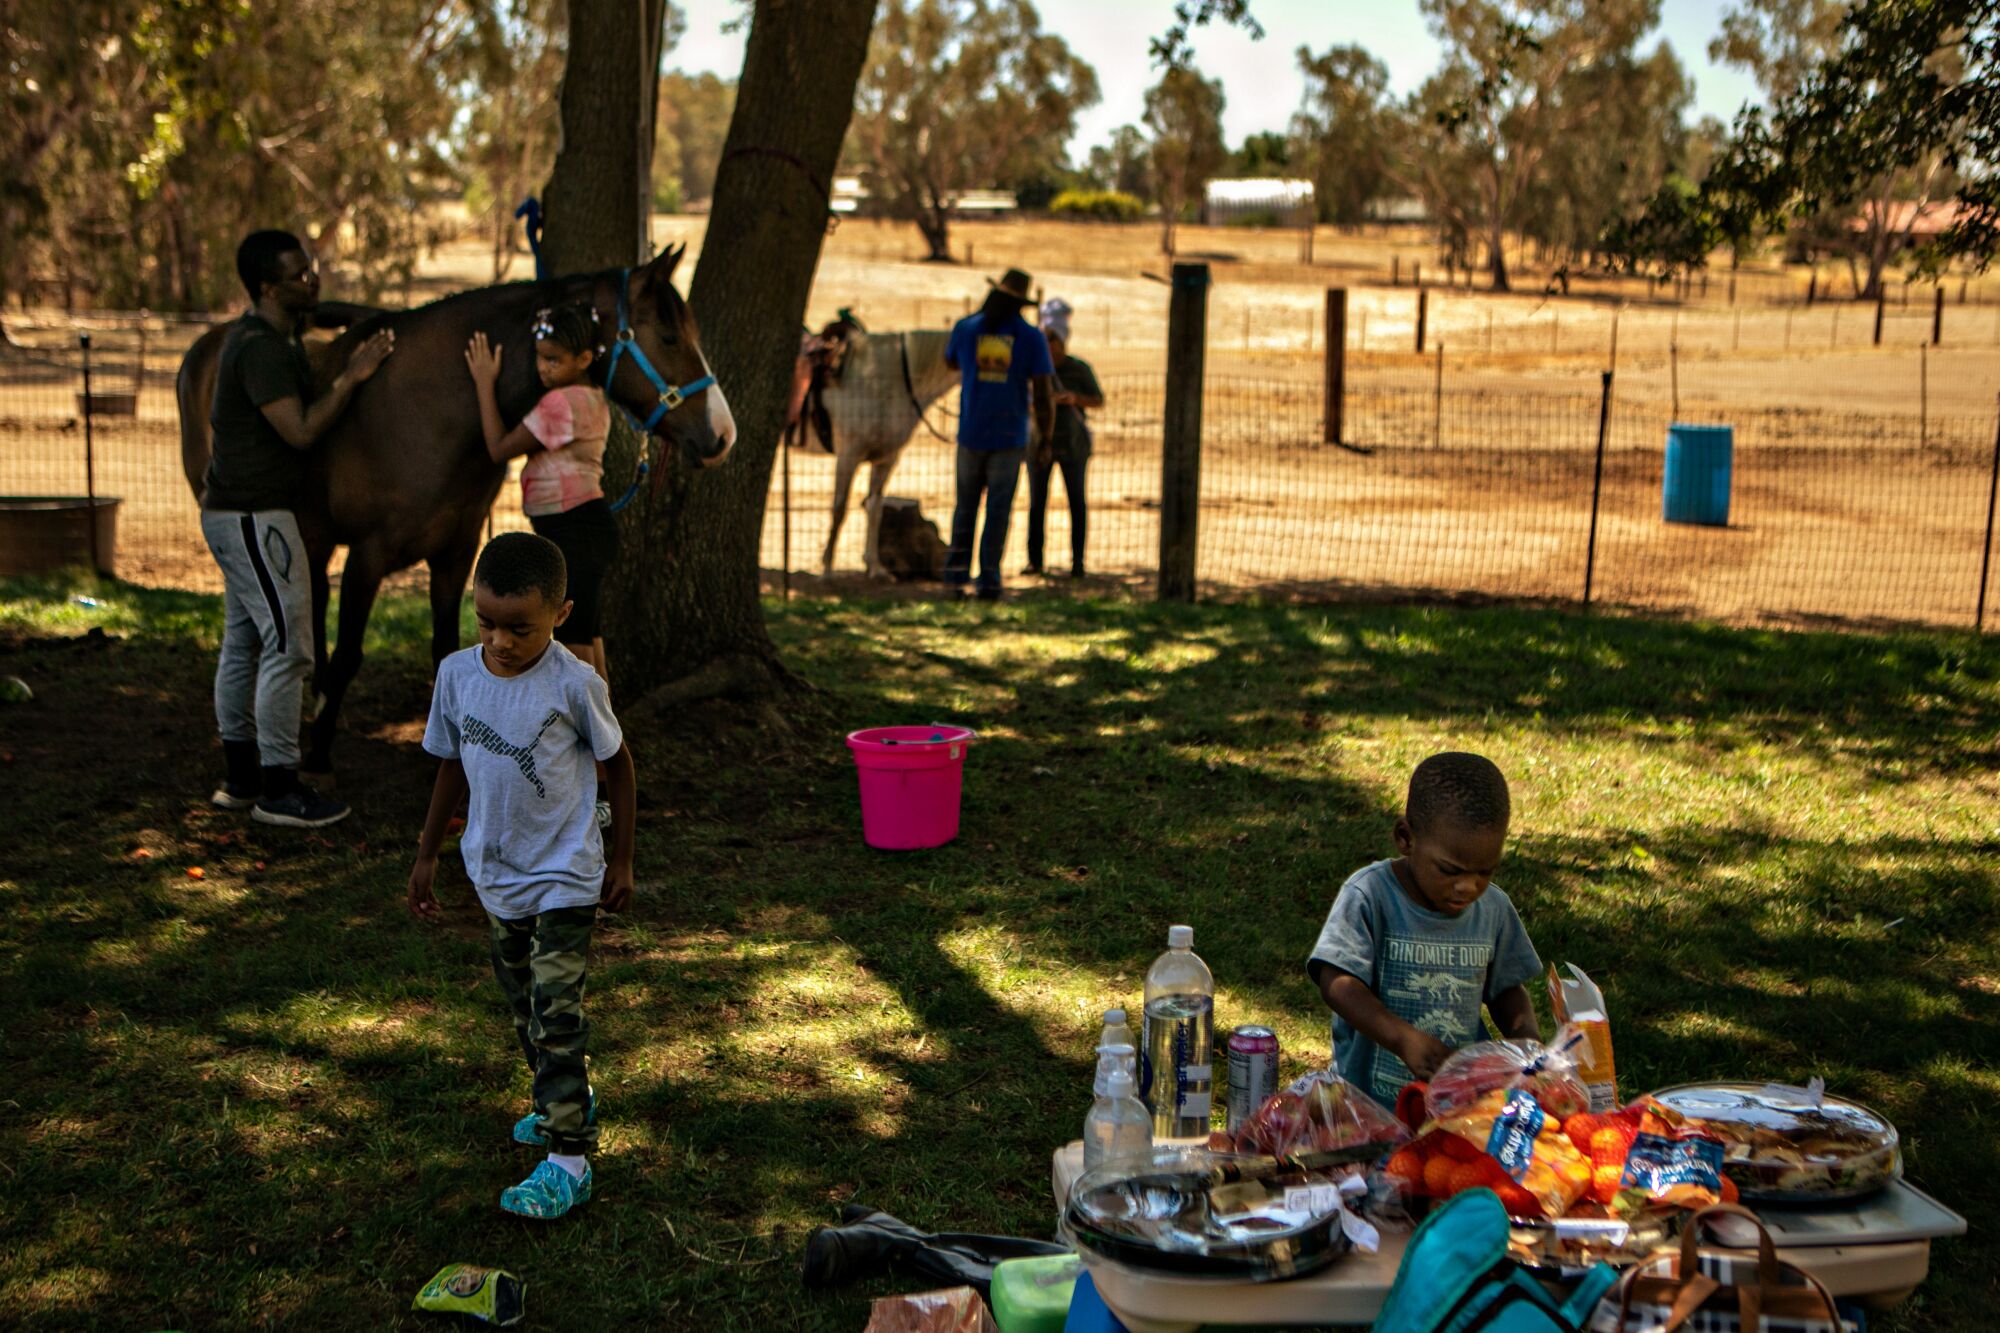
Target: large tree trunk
596 204
685 618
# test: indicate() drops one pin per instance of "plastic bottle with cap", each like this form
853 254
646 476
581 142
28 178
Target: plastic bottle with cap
1118 1055
1175 1058
1118 1126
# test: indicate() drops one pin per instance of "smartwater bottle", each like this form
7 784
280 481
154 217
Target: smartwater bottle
1175 1068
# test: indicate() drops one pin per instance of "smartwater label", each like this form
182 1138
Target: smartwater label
1194 1104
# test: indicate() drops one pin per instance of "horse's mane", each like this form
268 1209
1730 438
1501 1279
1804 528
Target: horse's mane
673 306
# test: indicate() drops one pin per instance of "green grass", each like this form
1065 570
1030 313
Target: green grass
269 1098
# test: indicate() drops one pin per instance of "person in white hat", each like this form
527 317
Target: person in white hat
1077 392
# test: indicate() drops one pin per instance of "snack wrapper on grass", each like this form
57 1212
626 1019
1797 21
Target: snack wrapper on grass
1316 1112
1524 1142
489 1295
1548 1073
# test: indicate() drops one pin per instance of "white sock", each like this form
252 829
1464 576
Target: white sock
572 1163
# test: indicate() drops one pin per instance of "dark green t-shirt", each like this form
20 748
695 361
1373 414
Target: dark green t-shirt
252 468
1072 437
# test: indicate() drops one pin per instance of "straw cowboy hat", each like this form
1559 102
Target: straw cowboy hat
1015 283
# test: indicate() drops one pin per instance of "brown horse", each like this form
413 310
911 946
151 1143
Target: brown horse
403 476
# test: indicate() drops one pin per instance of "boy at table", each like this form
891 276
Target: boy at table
1414 946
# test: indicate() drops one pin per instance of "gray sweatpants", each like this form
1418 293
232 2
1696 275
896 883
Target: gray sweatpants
267 629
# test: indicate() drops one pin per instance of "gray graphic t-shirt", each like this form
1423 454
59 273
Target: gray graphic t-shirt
528 743
1431 970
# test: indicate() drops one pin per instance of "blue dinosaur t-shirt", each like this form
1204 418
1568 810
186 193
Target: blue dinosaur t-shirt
1431 970
995 367
529 744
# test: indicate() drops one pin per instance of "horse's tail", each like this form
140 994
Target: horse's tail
194 391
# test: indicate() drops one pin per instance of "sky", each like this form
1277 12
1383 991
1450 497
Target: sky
1260 79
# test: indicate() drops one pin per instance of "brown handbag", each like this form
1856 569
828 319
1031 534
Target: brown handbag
1674 1289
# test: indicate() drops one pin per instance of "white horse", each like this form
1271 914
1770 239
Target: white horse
888 382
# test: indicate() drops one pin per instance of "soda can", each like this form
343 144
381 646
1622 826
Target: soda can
1253 1071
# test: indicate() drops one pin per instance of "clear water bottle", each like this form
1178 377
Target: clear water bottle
1117 1032
1118 1125
1176 1070
1123 1056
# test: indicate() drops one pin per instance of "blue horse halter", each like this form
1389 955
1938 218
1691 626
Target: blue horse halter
626 345
671 397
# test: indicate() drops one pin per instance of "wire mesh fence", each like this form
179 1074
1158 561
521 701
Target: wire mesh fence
1454 477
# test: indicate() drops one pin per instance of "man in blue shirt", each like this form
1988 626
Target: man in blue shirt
1002 361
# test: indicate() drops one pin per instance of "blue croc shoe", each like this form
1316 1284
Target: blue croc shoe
528 1129
550 1192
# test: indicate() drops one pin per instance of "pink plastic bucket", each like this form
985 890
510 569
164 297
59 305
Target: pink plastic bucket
911 778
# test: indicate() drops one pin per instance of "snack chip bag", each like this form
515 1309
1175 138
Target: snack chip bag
1485 1067
1673 1164
489 1295
1526 1142
1575 999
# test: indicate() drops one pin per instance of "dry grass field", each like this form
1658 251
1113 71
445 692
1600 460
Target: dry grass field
1861 471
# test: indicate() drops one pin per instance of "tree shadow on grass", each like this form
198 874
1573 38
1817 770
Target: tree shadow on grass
280 1058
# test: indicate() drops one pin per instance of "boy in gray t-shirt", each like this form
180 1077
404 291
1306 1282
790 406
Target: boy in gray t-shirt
1413 947
520 725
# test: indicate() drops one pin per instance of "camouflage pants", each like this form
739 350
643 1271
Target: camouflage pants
539 962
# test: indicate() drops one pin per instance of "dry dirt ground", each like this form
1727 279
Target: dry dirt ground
1861 473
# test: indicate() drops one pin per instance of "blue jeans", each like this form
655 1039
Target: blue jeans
996 472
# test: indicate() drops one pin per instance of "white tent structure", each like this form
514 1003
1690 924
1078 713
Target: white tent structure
1288 203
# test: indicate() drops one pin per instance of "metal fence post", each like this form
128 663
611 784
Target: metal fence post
1423 313
1596 489
1879 303
1437 403
1674 375
1180 453
89 457
1336 363
1986 550
1937 315
1923 395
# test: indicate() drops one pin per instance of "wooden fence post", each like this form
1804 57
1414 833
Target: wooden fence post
1423 313
1937 316
1336 362
1395 270
1180 452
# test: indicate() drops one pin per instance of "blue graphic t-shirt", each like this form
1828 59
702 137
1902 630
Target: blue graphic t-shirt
1431 970
529 745
995 367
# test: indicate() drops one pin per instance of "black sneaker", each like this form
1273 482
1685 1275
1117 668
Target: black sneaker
232 796
301 807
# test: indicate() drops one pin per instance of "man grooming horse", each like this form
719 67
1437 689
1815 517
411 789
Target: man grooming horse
405 476
266 417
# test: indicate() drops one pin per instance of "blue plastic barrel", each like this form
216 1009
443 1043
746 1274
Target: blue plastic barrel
1696 488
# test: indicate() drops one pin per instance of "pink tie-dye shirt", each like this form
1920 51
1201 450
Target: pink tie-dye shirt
571 422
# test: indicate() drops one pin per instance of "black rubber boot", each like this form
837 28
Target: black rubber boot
872 1242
